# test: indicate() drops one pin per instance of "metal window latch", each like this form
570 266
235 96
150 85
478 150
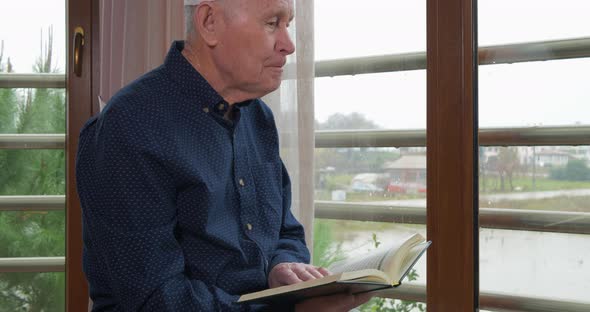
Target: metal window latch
78 49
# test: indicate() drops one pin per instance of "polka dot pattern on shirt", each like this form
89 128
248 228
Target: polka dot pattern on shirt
168 226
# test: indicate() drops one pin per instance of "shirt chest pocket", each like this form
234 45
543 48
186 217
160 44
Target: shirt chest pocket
268 188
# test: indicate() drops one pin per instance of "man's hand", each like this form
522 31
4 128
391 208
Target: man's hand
290 273
333 303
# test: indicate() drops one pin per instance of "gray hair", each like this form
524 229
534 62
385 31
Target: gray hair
189 11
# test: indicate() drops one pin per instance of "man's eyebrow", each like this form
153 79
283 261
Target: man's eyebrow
281 13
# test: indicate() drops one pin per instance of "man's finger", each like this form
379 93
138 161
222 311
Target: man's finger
314 271
324 271
302 272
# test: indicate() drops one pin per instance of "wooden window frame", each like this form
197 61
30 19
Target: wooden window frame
82 103
451 140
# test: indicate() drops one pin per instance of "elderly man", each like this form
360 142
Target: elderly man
186 202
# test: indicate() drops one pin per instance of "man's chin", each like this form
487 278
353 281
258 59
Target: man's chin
272 86
261 89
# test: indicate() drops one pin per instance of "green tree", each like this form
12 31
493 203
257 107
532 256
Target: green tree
343 122
508 164
33 172
575 170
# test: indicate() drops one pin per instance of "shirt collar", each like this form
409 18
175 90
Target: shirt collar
192 84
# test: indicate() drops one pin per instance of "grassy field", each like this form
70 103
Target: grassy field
525 184
562 203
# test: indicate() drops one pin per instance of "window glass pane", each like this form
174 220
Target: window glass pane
32 292
32 111
346 29
550 93
370 180
394 100
508 21
551 184
533 200
382 183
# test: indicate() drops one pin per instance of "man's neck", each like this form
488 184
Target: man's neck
203 63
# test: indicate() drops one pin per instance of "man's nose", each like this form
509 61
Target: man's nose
284 43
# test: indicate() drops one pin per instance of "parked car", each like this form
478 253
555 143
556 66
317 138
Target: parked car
360 186
404 188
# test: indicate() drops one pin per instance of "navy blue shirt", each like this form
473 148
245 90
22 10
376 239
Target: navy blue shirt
183 210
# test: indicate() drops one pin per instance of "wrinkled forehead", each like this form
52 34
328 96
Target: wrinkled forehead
193 2
285 3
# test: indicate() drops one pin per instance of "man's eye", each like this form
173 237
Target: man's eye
273 23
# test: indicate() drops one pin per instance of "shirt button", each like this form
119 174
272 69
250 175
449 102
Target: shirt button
221 106
249 226
242 183
206 109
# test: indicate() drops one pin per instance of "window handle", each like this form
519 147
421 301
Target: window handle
78 49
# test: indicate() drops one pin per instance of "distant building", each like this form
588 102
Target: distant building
552 158
407 170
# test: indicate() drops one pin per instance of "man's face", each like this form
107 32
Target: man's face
254 44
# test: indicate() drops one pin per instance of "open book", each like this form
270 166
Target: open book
380 269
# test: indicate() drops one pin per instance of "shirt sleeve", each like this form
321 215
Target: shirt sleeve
291 246
128 200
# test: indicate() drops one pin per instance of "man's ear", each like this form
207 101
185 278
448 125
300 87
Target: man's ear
207 19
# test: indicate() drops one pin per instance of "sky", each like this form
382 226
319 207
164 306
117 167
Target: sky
21 23
524 94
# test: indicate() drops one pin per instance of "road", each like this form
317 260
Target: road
495 197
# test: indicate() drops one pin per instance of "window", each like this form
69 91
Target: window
364 185
32 156
534 188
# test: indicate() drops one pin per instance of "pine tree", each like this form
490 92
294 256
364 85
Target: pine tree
8 114
33 172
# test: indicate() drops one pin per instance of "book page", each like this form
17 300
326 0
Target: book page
395 260
371 261
389 259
